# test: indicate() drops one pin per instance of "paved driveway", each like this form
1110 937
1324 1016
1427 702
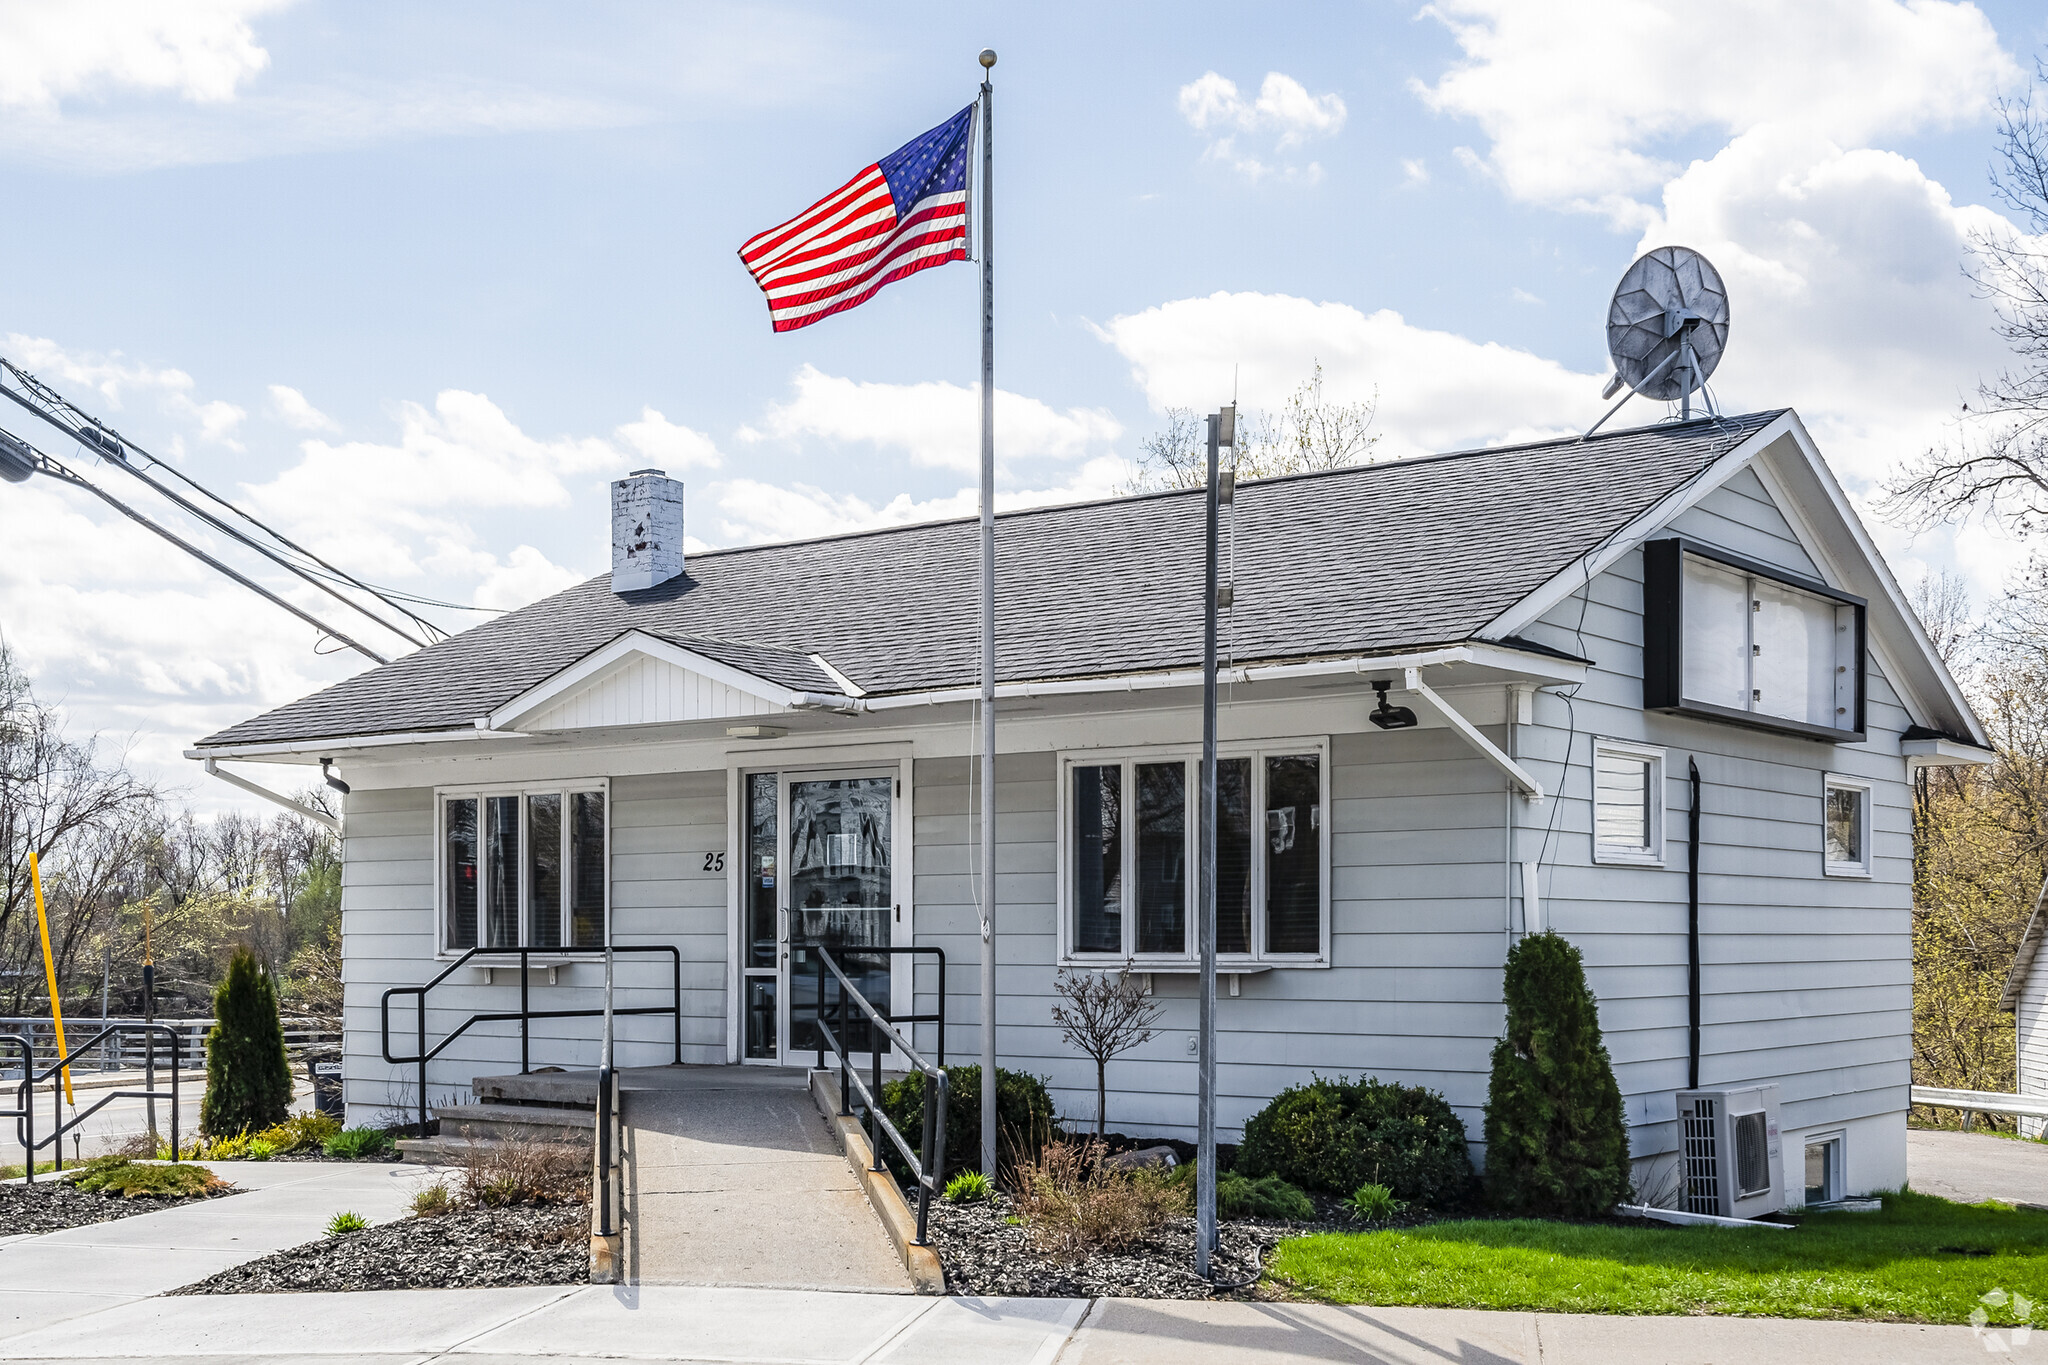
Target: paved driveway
1972 1167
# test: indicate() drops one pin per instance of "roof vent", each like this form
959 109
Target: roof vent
647 530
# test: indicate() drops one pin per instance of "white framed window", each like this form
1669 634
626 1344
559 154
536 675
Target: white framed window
522 866
1824 1171
1628 803
1129 854
1845 827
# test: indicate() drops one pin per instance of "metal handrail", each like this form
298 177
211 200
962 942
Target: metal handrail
930 1171
525 1014
920 951
25 1116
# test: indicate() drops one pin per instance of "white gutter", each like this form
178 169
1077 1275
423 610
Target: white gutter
285 748
1526 784
317 816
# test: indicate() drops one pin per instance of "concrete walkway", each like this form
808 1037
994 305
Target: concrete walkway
732 1178
61 1275
1973 1167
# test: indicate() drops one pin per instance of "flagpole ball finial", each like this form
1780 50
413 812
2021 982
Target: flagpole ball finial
988 57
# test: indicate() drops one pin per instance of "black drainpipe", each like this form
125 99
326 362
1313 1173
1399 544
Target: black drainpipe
1692 933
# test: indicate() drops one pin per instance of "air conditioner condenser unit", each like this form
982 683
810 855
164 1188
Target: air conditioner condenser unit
1728 1141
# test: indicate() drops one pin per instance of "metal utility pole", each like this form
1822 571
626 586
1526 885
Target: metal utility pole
988 623
1222 432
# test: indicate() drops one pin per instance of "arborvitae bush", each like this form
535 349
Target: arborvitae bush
1556 1141
1335 1135
248 1076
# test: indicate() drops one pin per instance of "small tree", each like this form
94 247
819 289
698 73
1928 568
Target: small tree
1556 1143
248 1076
1103 1016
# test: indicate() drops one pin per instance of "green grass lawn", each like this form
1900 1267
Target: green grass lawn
1922 1259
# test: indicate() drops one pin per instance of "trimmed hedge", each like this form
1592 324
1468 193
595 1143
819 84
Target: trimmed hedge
1335 1135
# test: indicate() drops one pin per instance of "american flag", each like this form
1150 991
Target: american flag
905 213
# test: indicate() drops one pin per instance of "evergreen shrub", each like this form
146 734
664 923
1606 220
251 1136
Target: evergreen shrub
1556 1142
1335 1135
1023 1116
248 1077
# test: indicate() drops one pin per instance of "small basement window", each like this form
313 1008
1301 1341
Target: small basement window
1845 827
1628 803
1129 823
523 867
1730 639
1824 1182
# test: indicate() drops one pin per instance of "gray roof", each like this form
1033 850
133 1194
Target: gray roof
2023 960
1370 558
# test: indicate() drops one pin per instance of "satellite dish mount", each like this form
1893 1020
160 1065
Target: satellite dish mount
1667 326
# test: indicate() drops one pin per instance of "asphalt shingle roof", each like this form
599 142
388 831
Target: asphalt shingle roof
1371 558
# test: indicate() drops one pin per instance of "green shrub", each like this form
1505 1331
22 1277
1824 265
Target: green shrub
968 1187
310 1129
433 1200
1373 1203
248 1077
1335 1135
142 1180
1023 1115
259 1150
351 1144
228 1147
346 1222
1556 1141
1240 1196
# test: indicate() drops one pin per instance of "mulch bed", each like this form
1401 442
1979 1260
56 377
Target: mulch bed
51 1205
527 1244
984 1253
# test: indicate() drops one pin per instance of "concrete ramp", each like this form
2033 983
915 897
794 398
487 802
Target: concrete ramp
732 1177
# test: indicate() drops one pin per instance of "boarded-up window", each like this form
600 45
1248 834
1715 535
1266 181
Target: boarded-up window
1628 813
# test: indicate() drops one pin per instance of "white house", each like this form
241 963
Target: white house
777 744
2026 999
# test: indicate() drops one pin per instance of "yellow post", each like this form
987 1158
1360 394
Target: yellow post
35 877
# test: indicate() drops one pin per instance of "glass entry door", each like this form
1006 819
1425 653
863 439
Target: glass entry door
819 869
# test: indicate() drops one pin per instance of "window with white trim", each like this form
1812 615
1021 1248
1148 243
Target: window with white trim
1628 803
1824 1182
1129 826
1845 827
523 867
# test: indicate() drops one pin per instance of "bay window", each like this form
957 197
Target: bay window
1130 854
1730 639
523 868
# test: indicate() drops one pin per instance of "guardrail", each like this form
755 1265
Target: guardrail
1982 1101
927 1168
24 1114
525 1014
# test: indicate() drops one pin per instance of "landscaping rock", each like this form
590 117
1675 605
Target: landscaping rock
53 1204
1141 1158
527 1244
983 1252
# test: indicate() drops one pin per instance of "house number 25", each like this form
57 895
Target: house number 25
714 862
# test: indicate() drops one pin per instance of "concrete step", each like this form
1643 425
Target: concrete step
565 1089
438 1151
533 1123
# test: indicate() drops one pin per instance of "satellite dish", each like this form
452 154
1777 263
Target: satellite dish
1667 325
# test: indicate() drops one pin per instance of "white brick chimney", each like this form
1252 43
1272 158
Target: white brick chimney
647 530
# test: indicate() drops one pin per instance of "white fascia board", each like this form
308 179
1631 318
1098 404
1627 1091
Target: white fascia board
593 667
1896 614
1591 565
1944 753
306 749
1544 669
1527 785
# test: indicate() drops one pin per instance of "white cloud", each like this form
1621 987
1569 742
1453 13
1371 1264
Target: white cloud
1414 171
1847 298
527 575
199 50
1283 111
936 423
1436 390
673 447
1586 103
289 406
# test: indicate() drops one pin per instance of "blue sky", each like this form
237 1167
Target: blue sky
416 281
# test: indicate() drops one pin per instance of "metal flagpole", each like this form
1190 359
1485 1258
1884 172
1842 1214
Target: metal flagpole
1205 1093
988 627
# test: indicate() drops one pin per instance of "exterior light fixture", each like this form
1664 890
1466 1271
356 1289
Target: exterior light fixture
1390 717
